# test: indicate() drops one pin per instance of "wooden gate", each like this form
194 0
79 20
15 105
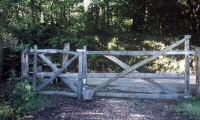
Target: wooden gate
56 72
80 89
130 71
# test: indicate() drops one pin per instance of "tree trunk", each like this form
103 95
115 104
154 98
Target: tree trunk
1 44
139 17
193 16
33 10
107 14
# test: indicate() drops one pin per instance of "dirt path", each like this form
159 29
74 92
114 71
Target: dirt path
117 108
109 109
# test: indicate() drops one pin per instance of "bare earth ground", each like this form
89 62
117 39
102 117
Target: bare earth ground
117 108
110 109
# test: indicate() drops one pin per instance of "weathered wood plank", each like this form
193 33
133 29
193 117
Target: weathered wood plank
25 64
53 66
49 74
139 95
85 64
57 93
80 75
65 56
56 74
136 53
138 75
49 63
134 67
110 75
35 66
54 51
56 64
70 84
117 61
187 67
198 65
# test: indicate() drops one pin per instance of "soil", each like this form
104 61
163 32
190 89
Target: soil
109 109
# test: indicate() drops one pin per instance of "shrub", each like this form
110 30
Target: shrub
21 99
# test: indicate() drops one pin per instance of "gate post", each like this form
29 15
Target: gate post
65 56
25 64
85 65
187 66
197 55
35 66
80 74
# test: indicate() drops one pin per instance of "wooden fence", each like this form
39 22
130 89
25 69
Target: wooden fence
82 92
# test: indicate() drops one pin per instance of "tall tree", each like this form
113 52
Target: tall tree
1 39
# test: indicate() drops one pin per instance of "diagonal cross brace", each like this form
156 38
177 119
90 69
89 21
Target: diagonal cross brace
57 73
117 61
130 69
125 66
53 66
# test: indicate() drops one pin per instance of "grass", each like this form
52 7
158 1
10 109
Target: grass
191 107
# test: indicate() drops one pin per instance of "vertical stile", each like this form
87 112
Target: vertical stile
65 56
187 67
197 54
85 65
25 64
80 75
35 66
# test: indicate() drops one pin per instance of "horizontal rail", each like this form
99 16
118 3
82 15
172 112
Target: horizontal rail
126 53
110 75
49 74
54 51
137 53
140 95
138 75
58 93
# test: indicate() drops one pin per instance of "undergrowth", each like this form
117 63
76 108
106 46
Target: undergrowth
18 99
191 107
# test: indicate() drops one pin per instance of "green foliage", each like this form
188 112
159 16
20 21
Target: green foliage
19 99
163 17
11 61
50 24
192 107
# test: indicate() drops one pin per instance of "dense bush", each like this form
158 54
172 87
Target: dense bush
18 99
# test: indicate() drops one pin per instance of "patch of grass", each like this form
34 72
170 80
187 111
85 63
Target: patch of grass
192 107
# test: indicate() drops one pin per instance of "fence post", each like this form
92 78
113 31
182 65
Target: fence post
25 64
80 75
187 66
197 55
35 66
85 66
65 56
